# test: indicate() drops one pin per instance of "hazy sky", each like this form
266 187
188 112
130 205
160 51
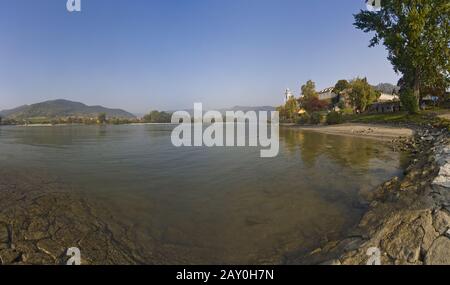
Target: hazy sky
167 54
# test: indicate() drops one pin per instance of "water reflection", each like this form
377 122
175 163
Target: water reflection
344 150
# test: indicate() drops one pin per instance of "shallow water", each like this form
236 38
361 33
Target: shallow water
210 205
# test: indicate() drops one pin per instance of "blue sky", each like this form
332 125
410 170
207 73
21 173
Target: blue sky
167 54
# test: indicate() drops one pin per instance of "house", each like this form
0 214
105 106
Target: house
386 103
327 94
384 107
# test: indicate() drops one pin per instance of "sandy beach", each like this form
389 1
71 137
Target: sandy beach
380 132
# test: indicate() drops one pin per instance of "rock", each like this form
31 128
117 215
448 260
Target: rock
50 247
441 222
443 181
332 262
352 244
439 253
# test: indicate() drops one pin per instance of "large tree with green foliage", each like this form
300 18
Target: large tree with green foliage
340 86
416 34
362 94
309 90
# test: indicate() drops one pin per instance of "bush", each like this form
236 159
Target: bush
303 119
347 111
334 118
315 118
409 101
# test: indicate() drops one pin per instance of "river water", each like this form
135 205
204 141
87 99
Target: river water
211 205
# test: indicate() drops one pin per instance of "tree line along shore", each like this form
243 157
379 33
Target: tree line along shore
100 119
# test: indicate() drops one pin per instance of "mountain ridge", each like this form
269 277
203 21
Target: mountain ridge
63 108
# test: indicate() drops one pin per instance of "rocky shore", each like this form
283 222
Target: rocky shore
408 218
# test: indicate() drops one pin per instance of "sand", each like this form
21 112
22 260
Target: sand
362 130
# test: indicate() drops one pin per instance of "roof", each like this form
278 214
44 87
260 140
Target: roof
326 90
387 97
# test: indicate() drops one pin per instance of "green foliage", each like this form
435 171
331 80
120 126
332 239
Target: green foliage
409 102
309 90
362 94
313 104
347 111
157 117
316 118
340 86
101 118
334 118
416 34
303 119
289 112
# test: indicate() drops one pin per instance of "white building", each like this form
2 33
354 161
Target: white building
388 97
288 95
326 94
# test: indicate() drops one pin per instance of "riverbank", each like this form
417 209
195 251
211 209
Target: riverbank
407 219
383 132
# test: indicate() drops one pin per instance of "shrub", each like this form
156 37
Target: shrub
315 118
334 118
303 119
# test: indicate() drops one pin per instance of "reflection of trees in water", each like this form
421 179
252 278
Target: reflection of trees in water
344 150
58 136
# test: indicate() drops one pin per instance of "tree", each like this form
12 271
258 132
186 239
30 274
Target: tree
101 118
408 100
362 94
289 111
340 86
309 89
313 104
157 117
416 34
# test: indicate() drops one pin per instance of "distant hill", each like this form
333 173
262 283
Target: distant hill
387 88
62 108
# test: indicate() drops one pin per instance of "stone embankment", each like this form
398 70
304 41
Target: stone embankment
408 219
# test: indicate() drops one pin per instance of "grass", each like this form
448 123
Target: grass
420 119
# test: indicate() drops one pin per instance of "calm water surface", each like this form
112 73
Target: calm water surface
211 205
